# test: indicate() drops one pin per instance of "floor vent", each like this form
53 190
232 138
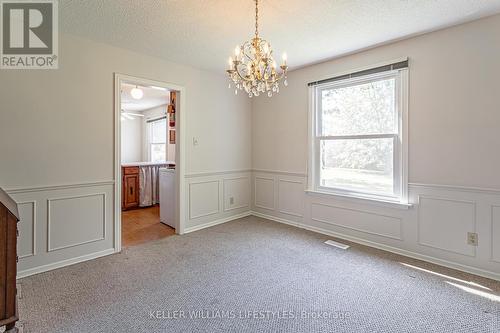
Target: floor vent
337 244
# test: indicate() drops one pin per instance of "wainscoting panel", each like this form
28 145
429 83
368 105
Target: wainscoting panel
26 246
214 198
495 233
203 198
375 224
237 193
443 223
291 197
73 221
433 228
264 192
62 225
67 224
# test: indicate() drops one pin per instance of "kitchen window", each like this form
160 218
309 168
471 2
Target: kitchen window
158 140
358 141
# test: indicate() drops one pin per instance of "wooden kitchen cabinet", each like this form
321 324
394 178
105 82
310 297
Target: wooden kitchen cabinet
130 188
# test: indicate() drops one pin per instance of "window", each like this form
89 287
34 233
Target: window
158 140
358 142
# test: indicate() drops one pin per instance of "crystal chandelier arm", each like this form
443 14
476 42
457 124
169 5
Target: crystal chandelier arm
237 71
245 49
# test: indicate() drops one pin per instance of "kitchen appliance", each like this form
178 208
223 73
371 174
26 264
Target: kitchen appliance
168 200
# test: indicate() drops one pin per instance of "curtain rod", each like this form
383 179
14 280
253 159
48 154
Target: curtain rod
156 119
384 68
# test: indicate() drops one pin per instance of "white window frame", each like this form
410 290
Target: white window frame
400 139
150 137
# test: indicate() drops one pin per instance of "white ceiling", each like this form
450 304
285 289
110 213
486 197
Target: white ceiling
203 33
151 99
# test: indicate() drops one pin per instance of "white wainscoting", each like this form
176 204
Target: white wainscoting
264 192
355 219
204 198
434 229
495 233
450 217
62 225
237 193
214 198
27 227
290 200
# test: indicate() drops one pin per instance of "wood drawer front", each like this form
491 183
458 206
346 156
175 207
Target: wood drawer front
130 191
130 170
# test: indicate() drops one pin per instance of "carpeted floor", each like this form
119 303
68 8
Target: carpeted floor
254 275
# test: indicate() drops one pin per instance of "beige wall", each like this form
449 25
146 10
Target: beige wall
56 126
454 114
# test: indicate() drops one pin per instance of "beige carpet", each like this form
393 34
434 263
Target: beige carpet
254 275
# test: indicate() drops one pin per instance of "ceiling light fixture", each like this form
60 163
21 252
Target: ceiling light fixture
253 67
136 93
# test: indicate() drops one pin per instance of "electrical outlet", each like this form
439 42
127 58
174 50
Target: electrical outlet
231 201
472 238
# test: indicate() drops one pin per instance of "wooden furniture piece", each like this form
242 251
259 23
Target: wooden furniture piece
130 187
9 217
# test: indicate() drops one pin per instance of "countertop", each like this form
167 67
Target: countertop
146 163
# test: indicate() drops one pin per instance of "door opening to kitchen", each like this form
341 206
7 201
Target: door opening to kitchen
148 162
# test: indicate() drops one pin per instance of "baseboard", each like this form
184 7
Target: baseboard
216 222
410 254
63 263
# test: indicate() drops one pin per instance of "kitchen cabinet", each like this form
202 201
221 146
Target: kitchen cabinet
130 187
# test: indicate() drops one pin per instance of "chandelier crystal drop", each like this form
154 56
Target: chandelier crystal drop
253 68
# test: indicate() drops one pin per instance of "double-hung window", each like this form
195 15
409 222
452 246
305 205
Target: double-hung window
358 141
158 140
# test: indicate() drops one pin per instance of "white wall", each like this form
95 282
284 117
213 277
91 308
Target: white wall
57 141
132 135
454 126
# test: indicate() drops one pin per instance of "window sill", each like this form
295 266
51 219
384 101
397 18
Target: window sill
362 199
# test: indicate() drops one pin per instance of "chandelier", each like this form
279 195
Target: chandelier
253 68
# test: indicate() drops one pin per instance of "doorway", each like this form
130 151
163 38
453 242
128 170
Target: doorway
148 160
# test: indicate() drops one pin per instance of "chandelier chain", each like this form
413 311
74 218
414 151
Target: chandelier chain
256 18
